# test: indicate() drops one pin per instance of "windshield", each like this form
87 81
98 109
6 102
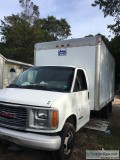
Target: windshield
46 78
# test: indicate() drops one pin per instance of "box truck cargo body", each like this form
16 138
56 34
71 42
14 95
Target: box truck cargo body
89 54
48 103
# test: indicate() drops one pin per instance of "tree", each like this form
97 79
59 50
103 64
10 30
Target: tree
30 10
58 29
110 8
18 37
14 30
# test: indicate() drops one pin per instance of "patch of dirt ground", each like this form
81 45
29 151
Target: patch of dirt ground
85 140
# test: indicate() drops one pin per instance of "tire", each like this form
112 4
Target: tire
4 145
110 107
67 143
105 112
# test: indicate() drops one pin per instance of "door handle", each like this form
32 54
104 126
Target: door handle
88 95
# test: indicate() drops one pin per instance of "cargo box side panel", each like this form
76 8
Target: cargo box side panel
82 57
107 71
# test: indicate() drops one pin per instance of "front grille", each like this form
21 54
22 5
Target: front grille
13 116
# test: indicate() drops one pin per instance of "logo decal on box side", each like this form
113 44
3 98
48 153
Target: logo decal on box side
62 52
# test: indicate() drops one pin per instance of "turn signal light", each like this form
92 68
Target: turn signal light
54 119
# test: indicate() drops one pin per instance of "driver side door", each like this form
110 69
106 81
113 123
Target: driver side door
82 97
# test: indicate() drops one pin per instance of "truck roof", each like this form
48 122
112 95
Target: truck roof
57 66
86 41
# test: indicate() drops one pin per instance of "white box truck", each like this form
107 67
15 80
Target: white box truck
47 104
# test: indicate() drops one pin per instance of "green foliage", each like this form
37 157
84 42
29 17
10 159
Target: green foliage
110 8
58 29
18 36
19 54
16 31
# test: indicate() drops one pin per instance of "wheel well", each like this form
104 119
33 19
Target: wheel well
72 120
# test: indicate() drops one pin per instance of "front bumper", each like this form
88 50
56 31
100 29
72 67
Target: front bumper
31 140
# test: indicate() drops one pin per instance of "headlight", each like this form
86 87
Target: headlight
43 119
42 114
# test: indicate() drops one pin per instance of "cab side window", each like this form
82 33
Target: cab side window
80 82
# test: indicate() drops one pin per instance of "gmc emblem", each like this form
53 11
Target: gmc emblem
7 115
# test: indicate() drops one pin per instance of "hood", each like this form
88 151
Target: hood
29 96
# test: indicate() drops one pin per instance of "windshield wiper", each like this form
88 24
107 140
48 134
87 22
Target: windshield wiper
13 86
42 87
39 87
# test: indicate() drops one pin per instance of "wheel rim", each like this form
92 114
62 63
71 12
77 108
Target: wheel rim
68 143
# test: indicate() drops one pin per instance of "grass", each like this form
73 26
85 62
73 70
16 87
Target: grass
112 141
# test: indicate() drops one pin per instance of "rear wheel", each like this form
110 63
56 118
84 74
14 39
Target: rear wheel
67 143
110 107
105 112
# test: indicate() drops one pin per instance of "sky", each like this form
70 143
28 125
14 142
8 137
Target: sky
80 15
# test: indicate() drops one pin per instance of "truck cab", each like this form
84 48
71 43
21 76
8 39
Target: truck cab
43 100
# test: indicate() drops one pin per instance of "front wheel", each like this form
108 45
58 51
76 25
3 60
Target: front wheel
67 143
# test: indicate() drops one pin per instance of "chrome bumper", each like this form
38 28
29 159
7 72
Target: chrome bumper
32 140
